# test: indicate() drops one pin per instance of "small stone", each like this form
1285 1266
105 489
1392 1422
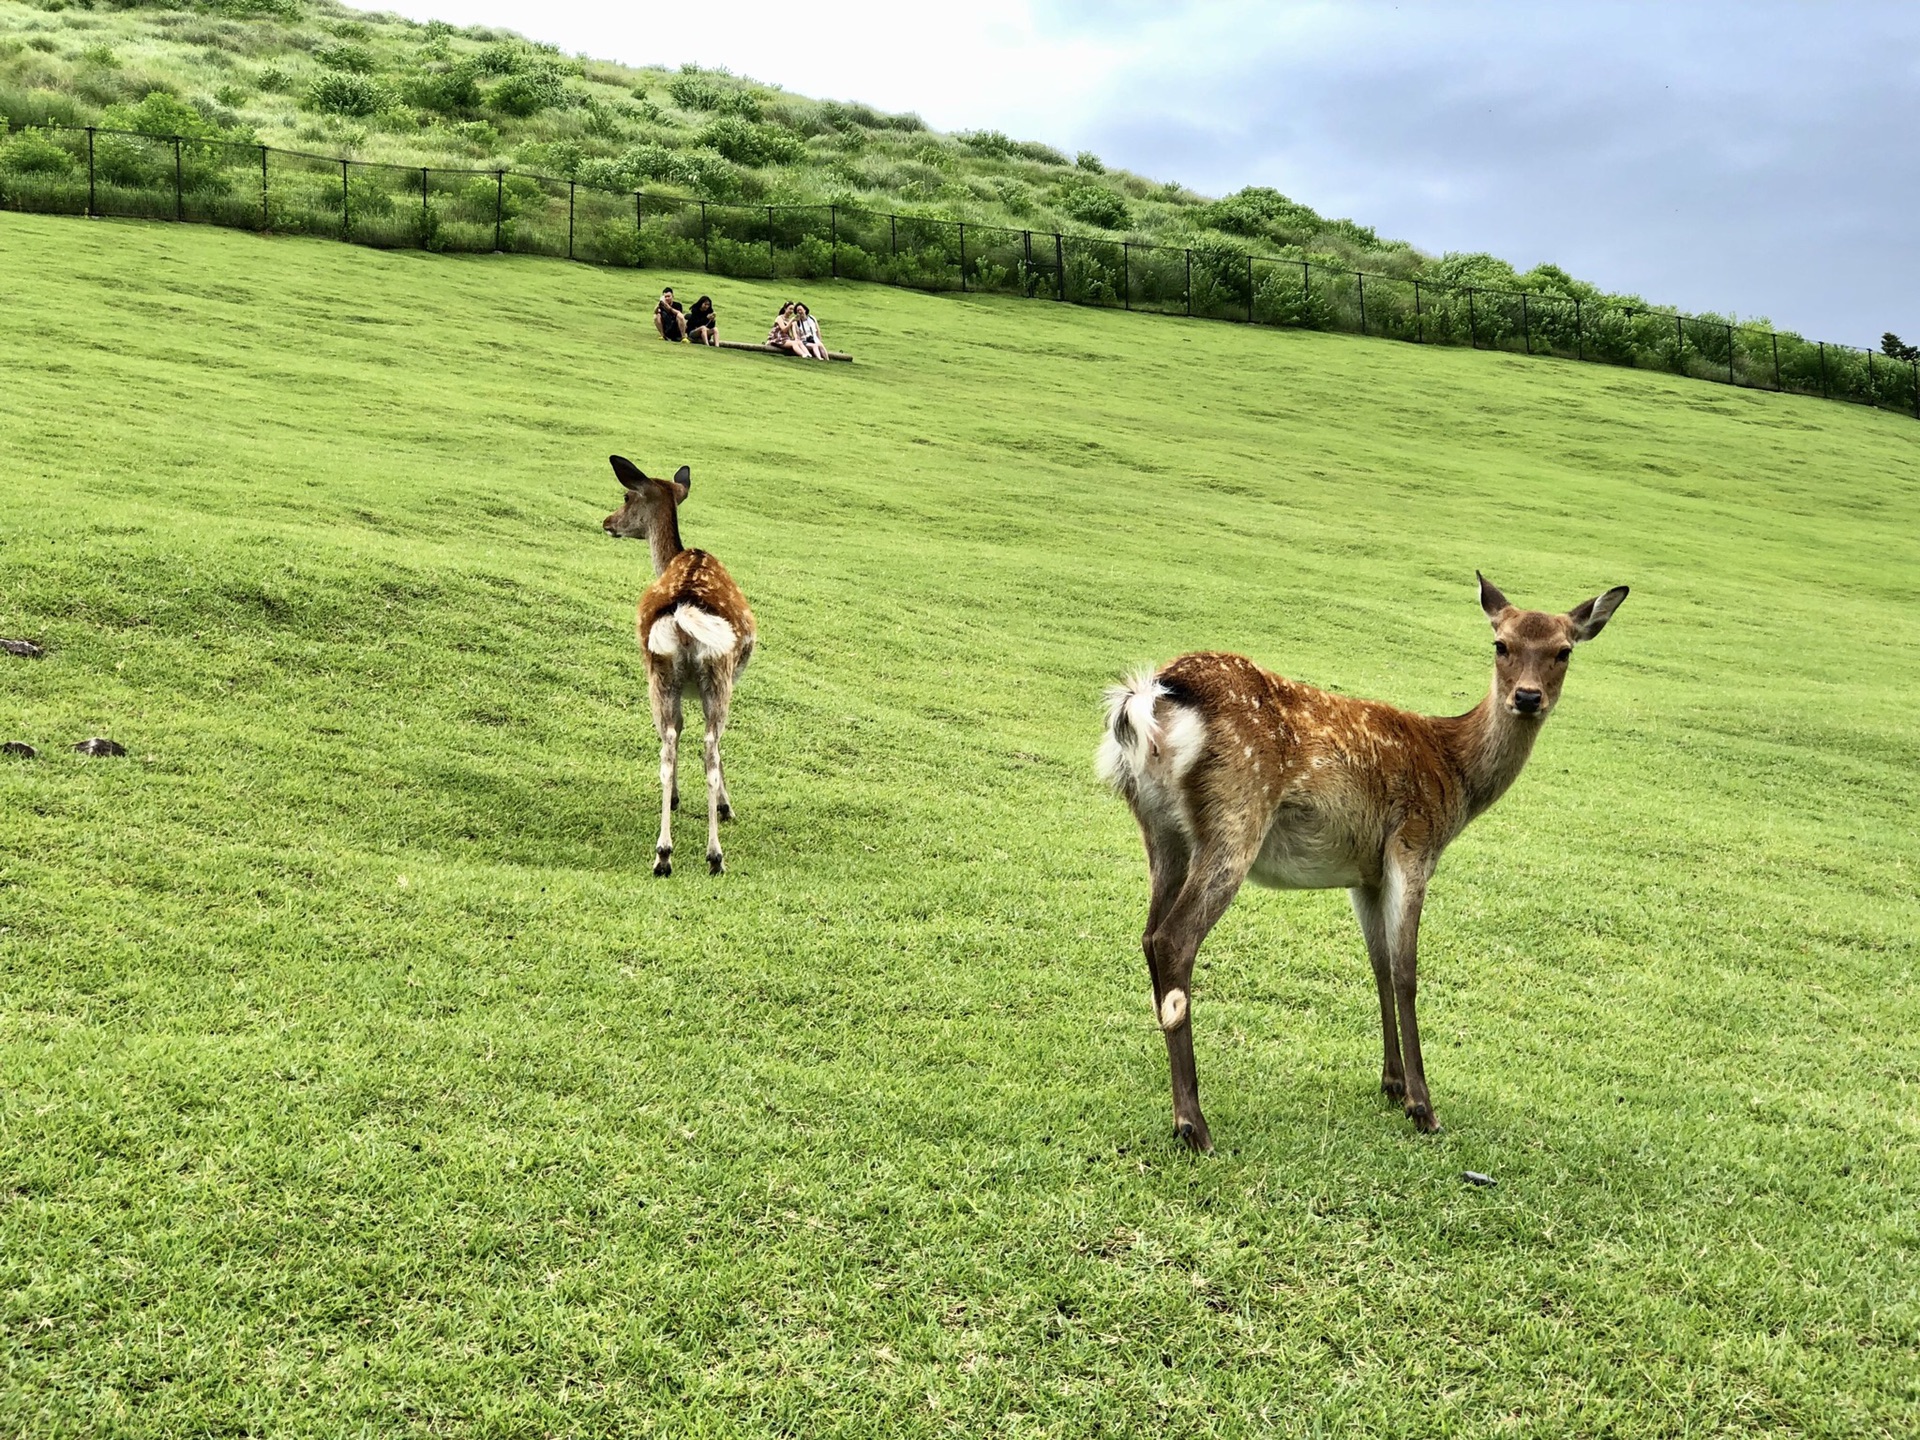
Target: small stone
1474 1177
25 649
99 745
19 748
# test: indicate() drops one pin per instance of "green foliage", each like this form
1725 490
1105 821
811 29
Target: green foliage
1894 348
1094 204
446 87
353 58
1260 212
274 79
340 92
694 92
160 115
986 142
1087 160
1016 195
528 92
745 143
34 152
99 57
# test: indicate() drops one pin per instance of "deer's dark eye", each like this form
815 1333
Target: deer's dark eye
1499 647
1566 654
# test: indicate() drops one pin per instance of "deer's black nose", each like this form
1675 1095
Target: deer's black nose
1527 702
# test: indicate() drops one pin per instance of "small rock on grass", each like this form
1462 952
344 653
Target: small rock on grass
25 649
1474 1177
18 748
99 745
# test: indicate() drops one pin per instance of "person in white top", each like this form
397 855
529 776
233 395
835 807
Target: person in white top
807 331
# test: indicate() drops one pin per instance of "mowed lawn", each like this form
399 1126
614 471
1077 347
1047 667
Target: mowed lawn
357 1078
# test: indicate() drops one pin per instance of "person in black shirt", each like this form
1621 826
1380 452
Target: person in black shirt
668 318
702 326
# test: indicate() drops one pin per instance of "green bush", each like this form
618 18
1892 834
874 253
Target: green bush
33 152
528 93
344 93
691 92
986 142
1093 204
354 59
159 114
274 80
445 87
743 103
746 143
1090 162
1260 212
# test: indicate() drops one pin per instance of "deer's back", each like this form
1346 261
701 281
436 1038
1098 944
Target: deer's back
692 610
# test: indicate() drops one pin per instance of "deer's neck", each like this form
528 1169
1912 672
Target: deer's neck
664 540
1490 749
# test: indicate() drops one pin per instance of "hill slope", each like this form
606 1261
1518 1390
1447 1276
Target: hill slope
315 75
357 1075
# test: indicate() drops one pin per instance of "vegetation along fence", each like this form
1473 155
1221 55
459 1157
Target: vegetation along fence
92 171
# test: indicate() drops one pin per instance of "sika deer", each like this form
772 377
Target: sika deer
697 634
1235 773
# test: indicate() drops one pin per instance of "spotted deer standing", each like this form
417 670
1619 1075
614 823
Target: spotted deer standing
697 634
1235 773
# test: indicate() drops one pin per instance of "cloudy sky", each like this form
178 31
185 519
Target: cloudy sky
1758 157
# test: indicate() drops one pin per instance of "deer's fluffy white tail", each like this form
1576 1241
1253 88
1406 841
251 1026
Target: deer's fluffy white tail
1133 733
692 629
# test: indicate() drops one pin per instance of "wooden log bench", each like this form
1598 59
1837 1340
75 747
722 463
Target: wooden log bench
769 350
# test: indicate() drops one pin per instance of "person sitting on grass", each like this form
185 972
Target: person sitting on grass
781 337
702 327
807 331
668 318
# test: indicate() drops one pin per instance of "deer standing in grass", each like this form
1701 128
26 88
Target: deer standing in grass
1235 773
697 634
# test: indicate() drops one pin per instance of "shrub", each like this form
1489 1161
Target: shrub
354 59
447 88
1090 162
274 80
1894 348
1260 212
100 57
1034 150
33 152
343 93
159 114
231 95
743 103
746 143
528 92
1095 205
986 142
1014 194
691 92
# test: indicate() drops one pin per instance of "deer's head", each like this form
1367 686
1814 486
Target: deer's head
1531 648
650 504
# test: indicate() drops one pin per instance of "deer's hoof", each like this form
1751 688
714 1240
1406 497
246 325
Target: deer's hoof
1423 1118
1194 1136
663 862
716 866
1395 1089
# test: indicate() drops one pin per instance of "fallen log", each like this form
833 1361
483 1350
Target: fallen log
769 350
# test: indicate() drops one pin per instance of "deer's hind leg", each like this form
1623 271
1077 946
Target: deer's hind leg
1168 856
663 690
716 694
1213 879
1369 909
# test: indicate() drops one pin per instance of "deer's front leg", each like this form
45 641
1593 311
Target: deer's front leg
1405 892
1369 909
666 719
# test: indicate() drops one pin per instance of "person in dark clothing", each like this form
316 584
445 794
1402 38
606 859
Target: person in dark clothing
702 326
668 318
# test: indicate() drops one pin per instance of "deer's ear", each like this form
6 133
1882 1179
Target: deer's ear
1491 600
682 483
628 473
1590 617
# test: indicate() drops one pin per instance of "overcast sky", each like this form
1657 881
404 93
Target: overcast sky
1756 158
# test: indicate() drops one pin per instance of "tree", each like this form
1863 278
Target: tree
1894 347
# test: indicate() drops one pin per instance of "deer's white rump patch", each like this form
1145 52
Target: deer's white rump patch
692 629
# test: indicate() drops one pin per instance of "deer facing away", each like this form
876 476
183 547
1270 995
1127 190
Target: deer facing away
697 635
1235 773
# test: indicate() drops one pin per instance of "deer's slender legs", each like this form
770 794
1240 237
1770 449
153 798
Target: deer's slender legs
1405 891
1210 887
1167 857
713 702
667 720
1368 903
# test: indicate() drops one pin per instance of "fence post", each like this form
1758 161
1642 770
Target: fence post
639 222
499 205
1915 364
1126 274
426 208
1249 289
1579 332
1473 322
1823 371
833 220
1526 324
1059 267
1419 320
1730 379
1873 395
1189 282
1026 278
92 209
346 210
1306 294
179 196
893 234
1361 279
266 215
706 265
963 257
1776 358
570 185
773 265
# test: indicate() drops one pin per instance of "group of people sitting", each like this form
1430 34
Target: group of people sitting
794 331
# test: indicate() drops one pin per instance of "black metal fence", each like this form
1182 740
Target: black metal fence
90 171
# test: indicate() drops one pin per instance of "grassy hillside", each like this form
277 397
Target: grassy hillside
317 76
357 1078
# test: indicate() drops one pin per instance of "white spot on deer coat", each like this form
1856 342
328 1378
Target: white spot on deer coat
1173 1010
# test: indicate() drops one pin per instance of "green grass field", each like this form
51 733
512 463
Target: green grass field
357 1078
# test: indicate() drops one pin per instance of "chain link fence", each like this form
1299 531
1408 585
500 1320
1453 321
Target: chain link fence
90 171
